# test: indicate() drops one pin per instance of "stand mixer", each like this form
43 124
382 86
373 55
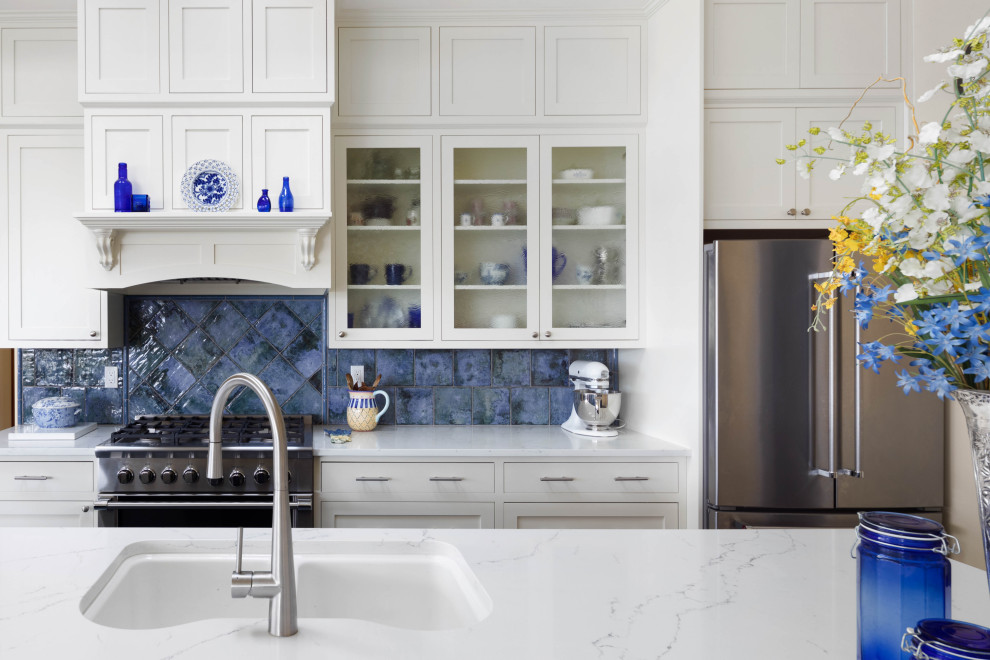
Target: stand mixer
595 406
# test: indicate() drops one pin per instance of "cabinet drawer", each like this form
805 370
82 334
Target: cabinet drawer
45 477
591 478
47 514
386 478
540 515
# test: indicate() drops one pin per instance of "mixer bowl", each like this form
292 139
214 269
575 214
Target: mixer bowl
597 408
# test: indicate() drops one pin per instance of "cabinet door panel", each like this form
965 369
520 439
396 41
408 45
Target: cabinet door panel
45 303
487 71
408 515
820 195
136 141
742 179
290 45
205 46
849 43
122 47
196 138
384 71
560 515
39 75
47 514
592 71
752 43
289 146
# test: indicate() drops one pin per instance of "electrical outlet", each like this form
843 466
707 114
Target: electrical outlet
110 377
357 373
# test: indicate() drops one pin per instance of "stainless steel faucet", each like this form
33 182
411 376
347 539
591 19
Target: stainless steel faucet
279 583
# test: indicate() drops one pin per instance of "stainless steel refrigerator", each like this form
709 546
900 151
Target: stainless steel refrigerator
796 433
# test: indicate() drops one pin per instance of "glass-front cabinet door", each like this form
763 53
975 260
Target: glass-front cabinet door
589 237
490 216
383 217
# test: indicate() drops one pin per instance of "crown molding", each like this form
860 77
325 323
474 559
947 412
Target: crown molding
20 18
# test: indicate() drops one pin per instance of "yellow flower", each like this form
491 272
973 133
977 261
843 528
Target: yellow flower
911 328
845 264
874 195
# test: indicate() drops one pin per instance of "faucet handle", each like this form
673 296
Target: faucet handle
240 581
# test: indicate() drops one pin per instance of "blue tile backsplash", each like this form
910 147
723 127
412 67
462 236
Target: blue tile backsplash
179 350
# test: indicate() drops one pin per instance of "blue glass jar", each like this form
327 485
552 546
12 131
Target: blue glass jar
122 190
903 576
264 204
945 639
285 200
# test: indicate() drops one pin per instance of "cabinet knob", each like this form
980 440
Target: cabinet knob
791 211
546 334
85 509
93 333
806 212
341 333
535 335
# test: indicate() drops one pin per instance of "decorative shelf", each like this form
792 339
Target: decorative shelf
106 226
382 182
383 287
584 182
589 287
490 182
587 227
491 228
490 287
383 228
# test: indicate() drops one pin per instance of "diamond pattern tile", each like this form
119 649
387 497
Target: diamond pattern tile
279 325
282 379
198 352
171 325
225 325
253 352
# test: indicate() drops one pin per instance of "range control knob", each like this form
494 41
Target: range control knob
125 476
236 478
262 476
168 476
190 476
147 475
216 482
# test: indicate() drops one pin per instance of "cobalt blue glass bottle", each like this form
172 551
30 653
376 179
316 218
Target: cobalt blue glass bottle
122 190
285 201
903 576
264 204
945 639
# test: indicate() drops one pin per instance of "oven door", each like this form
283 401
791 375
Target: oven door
209 511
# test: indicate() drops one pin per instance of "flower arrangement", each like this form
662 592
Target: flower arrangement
923 222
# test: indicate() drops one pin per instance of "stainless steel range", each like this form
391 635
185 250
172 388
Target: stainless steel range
152 473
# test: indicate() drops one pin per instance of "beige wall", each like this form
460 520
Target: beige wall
935 23
6 388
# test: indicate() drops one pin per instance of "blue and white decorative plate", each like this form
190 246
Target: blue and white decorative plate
210 186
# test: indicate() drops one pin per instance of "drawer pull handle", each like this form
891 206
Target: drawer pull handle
31 477
373 479
632 478
446 478
556 478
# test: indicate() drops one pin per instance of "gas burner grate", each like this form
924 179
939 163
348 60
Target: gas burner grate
194 430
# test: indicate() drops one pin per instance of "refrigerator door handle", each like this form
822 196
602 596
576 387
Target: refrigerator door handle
830 329
857 472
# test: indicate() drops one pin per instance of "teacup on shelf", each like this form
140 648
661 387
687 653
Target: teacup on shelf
583 273
460 277
493 273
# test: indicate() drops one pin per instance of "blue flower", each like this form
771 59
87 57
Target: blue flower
944 342
939 383
980 368
965 250
874 353
951 315
982 200
908 382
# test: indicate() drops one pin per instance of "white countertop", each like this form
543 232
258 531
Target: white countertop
677 594
411 441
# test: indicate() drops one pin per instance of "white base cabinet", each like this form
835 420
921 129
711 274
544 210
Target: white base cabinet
512 493
35 492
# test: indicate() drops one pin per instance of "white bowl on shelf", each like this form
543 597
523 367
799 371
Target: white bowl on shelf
577 173
598 215
378 222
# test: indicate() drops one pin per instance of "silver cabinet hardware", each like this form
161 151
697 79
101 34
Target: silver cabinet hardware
535 335
373 479
93 333
632 478
546 334
791 211
86 509
446 478
341 333
303 503
31 477
556 478
806 212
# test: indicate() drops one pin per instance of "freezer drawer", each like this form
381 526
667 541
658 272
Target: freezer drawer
790 519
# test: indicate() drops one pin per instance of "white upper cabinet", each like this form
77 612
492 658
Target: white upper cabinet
767 44
488 71
38 72
202 137
122 53
291 146
205 46
290 45
135 140
592 70
383 71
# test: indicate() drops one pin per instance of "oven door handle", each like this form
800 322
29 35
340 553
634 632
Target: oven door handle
303 503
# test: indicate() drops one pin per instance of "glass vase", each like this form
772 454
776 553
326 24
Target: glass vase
122 190
285 201
264 204
976 407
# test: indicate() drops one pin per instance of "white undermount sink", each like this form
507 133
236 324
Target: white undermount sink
422 586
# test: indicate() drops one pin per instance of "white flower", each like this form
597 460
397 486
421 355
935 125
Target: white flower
837 172
919 238
929 133
860 169
979 141
835 133
960 156
930 93
905 293
933 222
939 58
911 267
912 218
937 197
963 206
872 217
967 71
978 28
880 153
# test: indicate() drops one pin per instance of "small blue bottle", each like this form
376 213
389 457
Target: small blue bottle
264 204
122 190
903 576
285 201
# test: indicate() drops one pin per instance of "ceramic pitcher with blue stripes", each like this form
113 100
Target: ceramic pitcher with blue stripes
362 409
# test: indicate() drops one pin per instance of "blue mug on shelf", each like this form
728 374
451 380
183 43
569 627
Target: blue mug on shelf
415 316
362 273
558 263
396 274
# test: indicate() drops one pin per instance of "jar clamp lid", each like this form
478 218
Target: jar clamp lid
947 639
903 531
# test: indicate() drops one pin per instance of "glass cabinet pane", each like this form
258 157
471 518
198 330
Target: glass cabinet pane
587 257
490 206
382 275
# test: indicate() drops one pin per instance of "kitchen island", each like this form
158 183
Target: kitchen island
628 594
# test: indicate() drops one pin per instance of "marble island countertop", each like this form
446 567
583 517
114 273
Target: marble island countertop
679 594
411 441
